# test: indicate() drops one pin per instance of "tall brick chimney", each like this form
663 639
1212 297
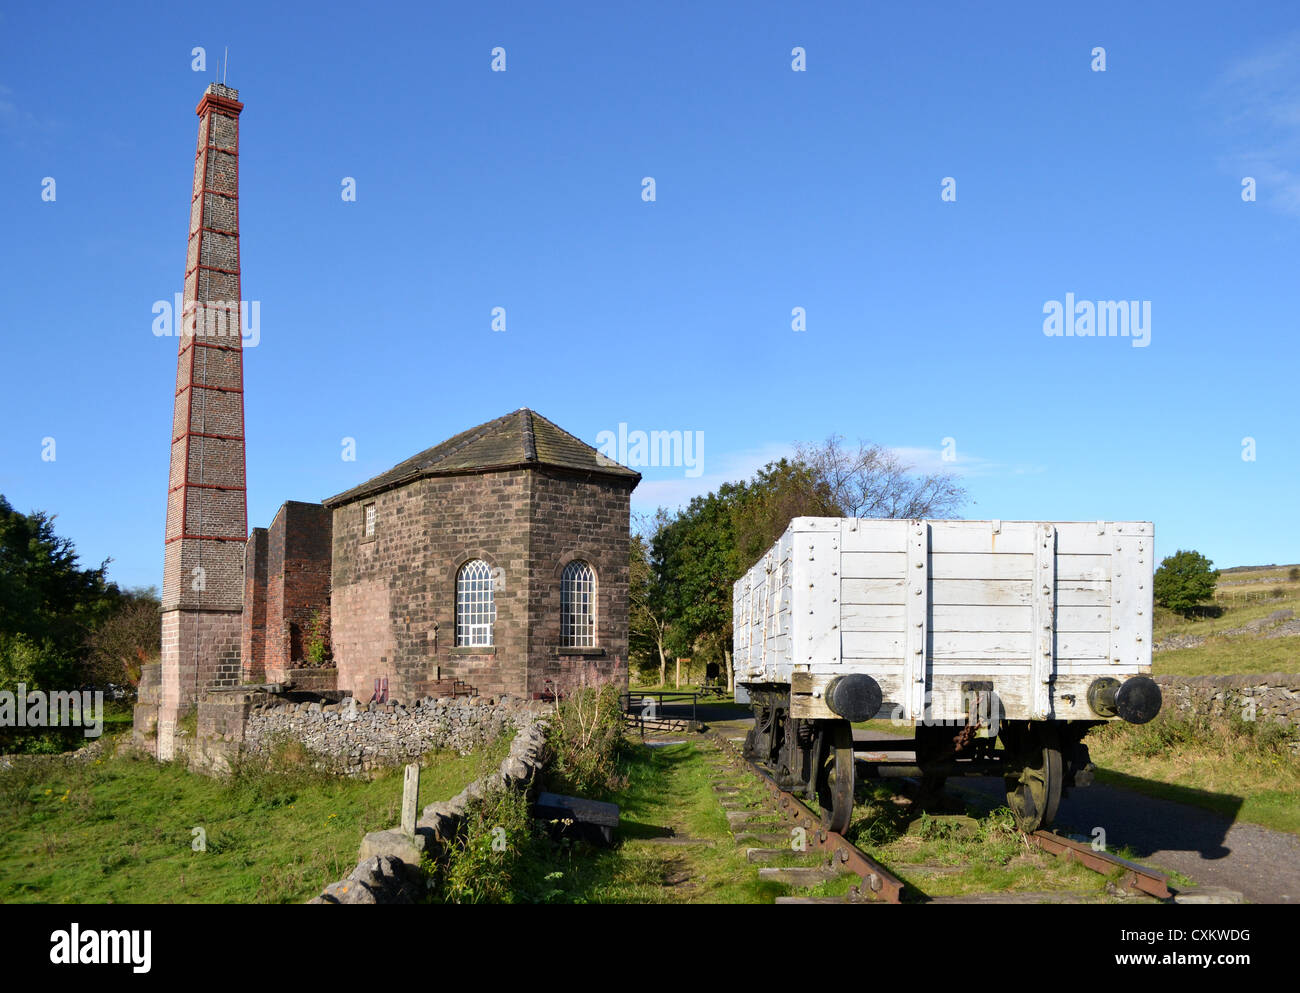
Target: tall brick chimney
207 511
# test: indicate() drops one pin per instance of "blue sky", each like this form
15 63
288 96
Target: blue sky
775 189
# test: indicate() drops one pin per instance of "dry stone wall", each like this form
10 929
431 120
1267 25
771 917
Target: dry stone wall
356 738
1271 696
388 866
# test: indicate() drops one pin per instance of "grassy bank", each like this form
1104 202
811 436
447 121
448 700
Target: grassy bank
1242 769
1249 595
121 829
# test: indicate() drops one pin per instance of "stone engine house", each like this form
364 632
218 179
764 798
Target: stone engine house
497 559
493 563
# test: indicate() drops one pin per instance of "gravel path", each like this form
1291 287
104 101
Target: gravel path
1258 862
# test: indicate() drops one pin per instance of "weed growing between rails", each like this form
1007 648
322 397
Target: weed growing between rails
953 855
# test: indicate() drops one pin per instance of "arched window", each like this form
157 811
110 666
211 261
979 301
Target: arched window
476 610
578 606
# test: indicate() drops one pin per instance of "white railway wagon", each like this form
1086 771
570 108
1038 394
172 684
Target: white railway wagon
1027 632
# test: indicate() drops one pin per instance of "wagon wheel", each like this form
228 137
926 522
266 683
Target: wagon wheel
835 775
758 740
1035 792
929 749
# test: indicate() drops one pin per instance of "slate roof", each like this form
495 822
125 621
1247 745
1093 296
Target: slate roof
520 439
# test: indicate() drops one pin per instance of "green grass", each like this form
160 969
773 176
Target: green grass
1232 654
120 829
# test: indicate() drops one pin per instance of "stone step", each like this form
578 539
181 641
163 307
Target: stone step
768 854
930 870
1208 894
1058 896
674 840
796 875
766 838
810 899
761 828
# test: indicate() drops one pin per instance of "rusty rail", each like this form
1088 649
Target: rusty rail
876 882
1136 877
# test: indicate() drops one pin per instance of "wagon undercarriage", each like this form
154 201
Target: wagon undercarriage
819 760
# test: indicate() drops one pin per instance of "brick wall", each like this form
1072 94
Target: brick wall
206 513
287 584
253 635
206 526
298 582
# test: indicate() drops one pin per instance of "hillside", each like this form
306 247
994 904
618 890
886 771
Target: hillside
1253 626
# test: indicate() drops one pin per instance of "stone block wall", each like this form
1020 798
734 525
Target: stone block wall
200 653
219 738
393 600
573 517
144 717
394 594
313 680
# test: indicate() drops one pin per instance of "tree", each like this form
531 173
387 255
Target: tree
697 554
648 626
695 564
48 603
875 482
1184 580
127 640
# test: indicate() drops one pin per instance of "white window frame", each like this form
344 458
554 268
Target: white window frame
369 517
476 608
578 605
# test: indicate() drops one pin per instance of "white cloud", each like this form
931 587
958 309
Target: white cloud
1259 102
658 488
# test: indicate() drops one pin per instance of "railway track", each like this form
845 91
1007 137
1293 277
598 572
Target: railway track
876 884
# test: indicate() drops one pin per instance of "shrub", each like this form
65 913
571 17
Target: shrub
490 858
1294 574
586 737
318 651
